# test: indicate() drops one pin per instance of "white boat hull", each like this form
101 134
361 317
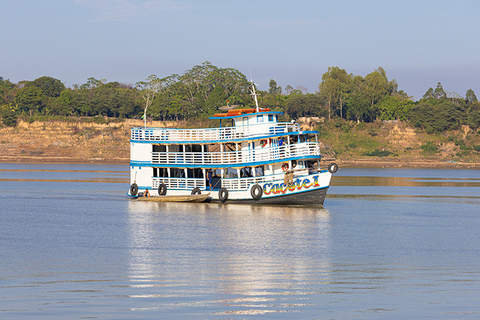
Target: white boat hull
309 189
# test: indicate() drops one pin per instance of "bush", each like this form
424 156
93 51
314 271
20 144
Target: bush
378 153
429 148
9 118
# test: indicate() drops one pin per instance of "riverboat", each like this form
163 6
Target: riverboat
250 158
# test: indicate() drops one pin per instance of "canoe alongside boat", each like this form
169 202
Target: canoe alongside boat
184 198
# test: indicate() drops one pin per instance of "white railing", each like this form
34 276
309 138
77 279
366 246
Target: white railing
179 183
238 157
212 134
229 183
244 183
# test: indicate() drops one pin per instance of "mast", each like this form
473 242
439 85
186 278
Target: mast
254 93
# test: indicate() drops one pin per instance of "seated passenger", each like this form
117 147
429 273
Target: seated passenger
146 193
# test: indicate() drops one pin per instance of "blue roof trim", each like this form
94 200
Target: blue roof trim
295 133
246 115
216 166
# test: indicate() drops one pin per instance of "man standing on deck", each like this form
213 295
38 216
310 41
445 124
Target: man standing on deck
209 177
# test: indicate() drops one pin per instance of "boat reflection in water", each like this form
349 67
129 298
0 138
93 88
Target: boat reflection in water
240 259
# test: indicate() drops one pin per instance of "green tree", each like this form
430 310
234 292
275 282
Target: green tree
299 105
335 88
428 94
395 108
7 91
474 116
50 87
470 97
65 103
438 115
148 89
30 99
439 93
9 117
377 86
359 109
273 88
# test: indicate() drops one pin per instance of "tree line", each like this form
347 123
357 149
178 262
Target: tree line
200 91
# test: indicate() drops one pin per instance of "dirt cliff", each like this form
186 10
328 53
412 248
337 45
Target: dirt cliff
68 141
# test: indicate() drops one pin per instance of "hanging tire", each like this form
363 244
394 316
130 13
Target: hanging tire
223 195
256 192
134 189
162 189
196 191
332 167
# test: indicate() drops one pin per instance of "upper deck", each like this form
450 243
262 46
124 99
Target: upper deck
244 126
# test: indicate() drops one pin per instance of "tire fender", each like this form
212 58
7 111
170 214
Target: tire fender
256 192
332 167
223 195
134 189
162 189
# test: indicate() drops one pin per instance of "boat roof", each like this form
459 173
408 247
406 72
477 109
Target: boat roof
235 113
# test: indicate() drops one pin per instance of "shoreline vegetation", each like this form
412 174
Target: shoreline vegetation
362 120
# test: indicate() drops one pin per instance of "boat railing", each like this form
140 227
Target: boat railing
267 154
179 183
244 183
212 134
230 183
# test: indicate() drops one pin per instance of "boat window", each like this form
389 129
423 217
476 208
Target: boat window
260 118
175 148
245 121
270 117
246 172
177 173
195 173
232 173
158 148
276 117
259 171
160 172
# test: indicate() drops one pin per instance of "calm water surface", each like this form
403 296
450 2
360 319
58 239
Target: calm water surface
389 244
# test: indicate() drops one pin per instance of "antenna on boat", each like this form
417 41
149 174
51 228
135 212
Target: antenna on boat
254 93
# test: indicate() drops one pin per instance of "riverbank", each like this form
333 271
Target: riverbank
108 143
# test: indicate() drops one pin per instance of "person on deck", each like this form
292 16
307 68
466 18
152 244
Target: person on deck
209 177
146 193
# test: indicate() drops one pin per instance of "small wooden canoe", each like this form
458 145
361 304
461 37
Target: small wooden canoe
185 198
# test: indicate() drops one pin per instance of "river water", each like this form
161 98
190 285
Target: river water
388 244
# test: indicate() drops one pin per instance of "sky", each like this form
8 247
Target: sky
419 43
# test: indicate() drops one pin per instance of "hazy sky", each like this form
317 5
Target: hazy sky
418 43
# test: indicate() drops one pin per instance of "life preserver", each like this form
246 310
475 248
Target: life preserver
134 189
223 195
162 189
332 167
285 167
256 192
196 191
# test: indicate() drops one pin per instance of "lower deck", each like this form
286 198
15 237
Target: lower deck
288 188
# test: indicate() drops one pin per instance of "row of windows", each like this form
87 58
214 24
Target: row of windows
270 118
